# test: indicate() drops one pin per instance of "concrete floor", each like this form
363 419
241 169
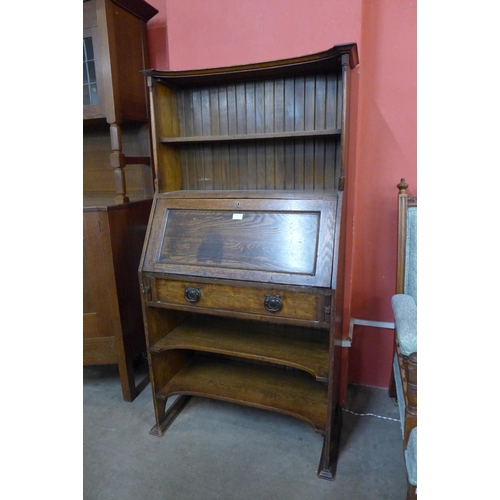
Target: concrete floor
216 450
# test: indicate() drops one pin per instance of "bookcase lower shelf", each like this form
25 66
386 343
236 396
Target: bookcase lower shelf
259 386
290 346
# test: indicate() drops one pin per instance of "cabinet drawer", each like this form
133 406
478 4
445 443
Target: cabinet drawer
284 304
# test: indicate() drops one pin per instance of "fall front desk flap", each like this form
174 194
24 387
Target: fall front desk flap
264 236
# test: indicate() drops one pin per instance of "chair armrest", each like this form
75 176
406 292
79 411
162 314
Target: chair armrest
405 320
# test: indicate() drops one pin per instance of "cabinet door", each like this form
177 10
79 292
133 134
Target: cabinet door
100 307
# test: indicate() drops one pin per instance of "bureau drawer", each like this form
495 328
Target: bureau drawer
283 304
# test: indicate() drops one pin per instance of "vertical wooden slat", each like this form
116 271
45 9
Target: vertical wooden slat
269 110
214 112
269 165
289 104
299 164
260 170
181 115
299 104
250 153
319 163
331 92
225 167
233 164
195 167
252 166
231 110
196 112
216 167
205 168
289 124
309 103
250 108
186 179
259 107
223 111
208 166
279 106
191 167
309 164
257 169
329 164
320 107
242 165
205 112
241 109
279 164
289 165
299 125
187 107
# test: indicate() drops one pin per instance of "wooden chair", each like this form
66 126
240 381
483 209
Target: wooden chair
404 305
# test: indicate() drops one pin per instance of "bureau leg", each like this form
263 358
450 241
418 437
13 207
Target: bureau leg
329 454
165 418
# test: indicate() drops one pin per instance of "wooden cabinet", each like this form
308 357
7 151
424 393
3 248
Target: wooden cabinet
113 331
241 263
116 140
115 104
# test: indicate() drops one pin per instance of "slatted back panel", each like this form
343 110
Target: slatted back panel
281 105
277 164
310 103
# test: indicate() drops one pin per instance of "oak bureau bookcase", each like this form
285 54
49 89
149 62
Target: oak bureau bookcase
240 266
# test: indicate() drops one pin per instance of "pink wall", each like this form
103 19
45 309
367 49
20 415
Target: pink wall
157 36
383 127
386 151
227 32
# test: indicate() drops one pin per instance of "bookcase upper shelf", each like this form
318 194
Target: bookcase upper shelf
272 125
251 137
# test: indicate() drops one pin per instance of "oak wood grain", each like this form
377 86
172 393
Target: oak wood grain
290 348
285 391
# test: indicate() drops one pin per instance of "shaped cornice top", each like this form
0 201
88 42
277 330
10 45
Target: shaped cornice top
326 61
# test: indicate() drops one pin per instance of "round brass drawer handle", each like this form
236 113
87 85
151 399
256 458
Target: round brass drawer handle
192 294
273 303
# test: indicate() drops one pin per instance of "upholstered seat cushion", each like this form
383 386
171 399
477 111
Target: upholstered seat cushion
411 457
405 319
